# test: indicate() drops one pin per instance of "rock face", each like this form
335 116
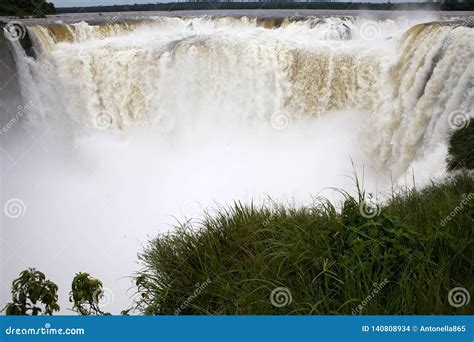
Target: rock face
10 94
16 30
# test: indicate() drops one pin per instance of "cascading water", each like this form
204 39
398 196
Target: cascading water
122 126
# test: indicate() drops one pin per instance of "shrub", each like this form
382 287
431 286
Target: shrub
30 290
86 294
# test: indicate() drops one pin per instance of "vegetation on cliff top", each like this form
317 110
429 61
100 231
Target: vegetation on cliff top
299 5
22 8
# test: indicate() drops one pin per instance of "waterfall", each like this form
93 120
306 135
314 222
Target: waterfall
112 131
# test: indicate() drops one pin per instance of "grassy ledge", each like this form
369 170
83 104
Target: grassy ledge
404 260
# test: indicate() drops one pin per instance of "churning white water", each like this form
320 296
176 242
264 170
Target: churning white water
127 127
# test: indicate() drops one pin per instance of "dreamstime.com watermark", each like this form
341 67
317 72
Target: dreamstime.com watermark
452 36
103 121
280 297
370 30
199 289
366 123
114 20
15 30
458 297
46 330
369 209
21 111
281 120
14 208
375 290
459 207
459 119
103 297
469 20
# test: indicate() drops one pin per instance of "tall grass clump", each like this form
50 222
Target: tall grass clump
404 260
460 148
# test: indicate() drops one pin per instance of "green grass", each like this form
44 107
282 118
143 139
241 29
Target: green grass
461 148
330 260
